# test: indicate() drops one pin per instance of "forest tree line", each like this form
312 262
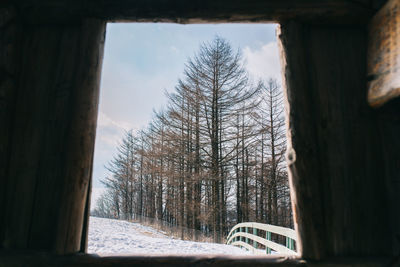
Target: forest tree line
214 157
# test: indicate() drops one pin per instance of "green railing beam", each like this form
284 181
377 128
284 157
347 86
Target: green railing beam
247 239
254 233
289 243
268 237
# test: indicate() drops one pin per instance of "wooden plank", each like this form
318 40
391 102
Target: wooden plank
32 124
17 258
10 36
86 216
44 45
384 55
181 11
81 137
389 128
53 128
338 186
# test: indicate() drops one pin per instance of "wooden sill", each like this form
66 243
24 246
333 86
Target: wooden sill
42 258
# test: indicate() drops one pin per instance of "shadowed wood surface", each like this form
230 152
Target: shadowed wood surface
9 66
182 11
336 168
22 258
52 130
389 128
343 156
80 150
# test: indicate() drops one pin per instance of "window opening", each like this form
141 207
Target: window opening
190 142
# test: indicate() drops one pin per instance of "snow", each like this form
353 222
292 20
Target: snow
107 236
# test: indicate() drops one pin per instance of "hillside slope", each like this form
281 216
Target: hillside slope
107 236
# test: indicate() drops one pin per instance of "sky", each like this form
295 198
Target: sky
144 60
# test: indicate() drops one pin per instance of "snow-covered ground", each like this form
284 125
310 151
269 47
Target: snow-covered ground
107 236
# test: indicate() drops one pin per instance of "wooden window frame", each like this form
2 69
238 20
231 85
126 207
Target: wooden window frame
298 19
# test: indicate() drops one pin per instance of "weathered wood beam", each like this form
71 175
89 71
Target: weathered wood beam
389 128
335 156
200 11
24 258
81 137
340 198
10 37
53 129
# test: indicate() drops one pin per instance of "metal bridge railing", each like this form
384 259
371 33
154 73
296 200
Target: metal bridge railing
240 236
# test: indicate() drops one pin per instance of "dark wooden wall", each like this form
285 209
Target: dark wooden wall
342 167
49 112
8 69
388 118
344 159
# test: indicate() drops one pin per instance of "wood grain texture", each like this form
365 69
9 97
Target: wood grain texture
389 127
81 137
200 11
22 258
335 157
53 134
343 156
86 215
10 35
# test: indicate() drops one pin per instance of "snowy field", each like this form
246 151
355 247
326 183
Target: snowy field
107 236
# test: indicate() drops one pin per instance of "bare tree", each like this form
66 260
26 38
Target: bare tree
214 157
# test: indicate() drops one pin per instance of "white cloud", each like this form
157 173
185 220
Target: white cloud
110 131
106 121
129 94
108 136
264 62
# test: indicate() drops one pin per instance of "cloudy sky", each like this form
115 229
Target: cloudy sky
143 60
